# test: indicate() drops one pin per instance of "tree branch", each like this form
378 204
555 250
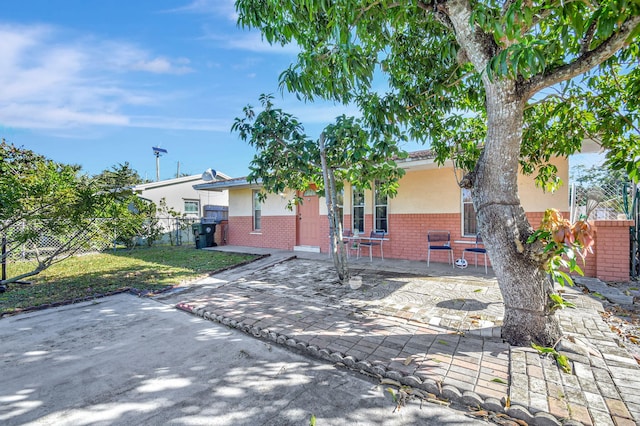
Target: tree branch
582 63
22 276
371 6
286 147
479 46
588 37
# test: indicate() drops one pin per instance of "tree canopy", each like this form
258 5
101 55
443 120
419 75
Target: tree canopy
477 80
287 158
435 83
56 201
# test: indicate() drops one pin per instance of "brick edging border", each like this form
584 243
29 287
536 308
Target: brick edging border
448 392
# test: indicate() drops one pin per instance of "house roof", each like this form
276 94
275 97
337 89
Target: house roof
221 185
415 160
176 181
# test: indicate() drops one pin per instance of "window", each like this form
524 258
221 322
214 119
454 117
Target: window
257 211
358 209
469 224
380 210
192 207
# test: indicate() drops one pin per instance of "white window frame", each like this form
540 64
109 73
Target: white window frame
191 201
469 225
355 206
256 208
377 194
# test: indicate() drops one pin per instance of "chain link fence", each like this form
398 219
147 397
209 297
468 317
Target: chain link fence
176 230
619 201
32 239
597 202
28 240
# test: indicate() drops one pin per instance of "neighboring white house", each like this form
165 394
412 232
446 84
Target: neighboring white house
180 195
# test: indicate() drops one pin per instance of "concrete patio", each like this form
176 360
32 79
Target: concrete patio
435 329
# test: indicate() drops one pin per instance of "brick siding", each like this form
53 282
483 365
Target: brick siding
277 232
408 239
612 250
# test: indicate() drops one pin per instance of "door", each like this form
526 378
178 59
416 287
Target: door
309 219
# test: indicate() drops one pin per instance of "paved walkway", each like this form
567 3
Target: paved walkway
436 329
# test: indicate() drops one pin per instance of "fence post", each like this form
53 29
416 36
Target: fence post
4 258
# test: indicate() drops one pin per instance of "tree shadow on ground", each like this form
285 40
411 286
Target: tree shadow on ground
145 363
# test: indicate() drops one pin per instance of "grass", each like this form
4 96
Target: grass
147 269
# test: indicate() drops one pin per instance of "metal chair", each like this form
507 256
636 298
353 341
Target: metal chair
375 239
351 242
476 251
439 241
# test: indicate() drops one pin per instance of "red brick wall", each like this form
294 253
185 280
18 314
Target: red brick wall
407 234
612 250
277 232
408 239
221 230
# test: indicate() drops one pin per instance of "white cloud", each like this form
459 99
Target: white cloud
49 79
161 66
175 123
36 117
225 8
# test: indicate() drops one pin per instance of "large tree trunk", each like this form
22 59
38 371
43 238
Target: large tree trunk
523 282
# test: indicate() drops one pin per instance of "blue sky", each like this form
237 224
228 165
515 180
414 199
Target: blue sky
98 83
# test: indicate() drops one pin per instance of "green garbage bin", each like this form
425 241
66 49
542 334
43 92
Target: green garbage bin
204 233
198 233
208 232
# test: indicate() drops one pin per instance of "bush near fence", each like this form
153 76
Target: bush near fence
100 235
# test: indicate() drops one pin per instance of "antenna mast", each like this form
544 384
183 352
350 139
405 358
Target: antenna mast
158 152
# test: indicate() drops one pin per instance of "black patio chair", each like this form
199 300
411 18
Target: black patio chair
476 251
439 241
375 239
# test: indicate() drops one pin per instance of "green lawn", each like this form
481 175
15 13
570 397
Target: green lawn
145 269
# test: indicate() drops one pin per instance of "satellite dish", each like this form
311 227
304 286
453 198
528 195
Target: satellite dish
209 175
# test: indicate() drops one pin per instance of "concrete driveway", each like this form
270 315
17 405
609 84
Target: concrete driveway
130 360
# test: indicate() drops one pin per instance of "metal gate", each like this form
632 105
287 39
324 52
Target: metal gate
632 209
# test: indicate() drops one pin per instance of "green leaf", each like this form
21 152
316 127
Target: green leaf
393 394
563 362
542 349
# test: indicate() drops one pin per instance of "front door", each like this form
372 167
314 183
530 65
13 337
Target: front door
309 219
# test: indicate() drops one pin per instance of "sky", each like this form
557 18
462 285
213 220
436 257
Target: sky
99 83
